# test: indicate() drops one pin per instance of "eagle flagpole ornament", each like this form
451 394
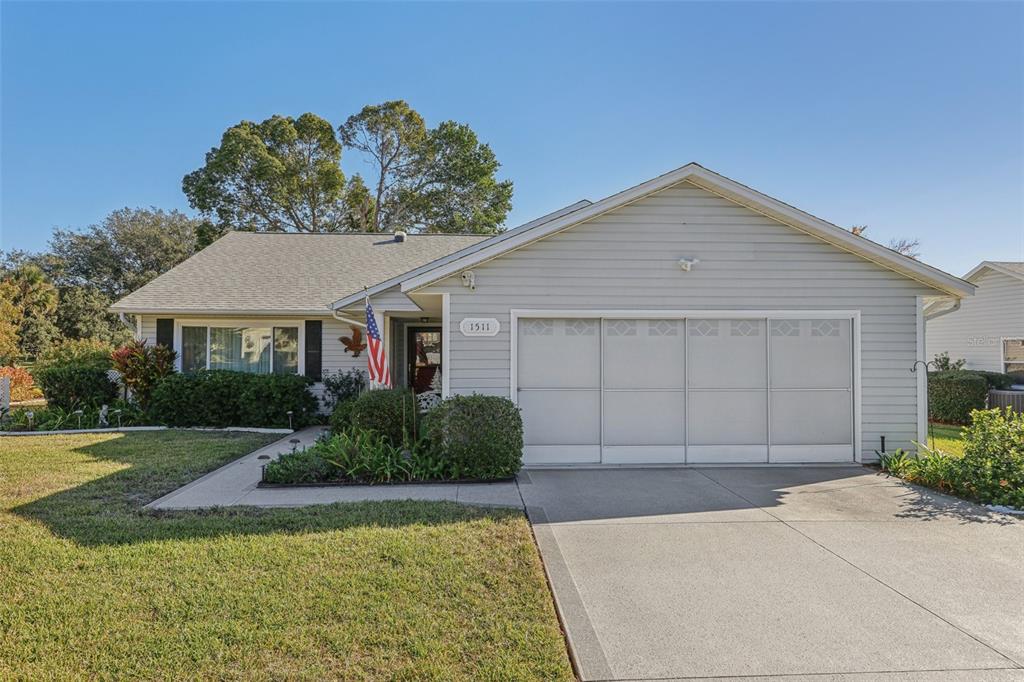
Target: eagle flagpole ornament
353 344
377 359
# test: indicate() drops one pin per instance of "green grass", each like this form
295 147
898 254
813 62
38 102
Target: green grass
95 587
946 438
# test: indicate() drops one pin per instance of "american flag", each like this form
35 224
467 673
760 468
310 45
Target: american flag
377 359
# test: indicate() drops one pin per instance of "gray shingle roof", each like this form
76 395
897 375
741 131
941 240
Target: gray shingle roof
260 272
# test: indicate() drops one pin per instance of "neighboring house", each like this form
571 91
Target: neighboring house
689 319
987 330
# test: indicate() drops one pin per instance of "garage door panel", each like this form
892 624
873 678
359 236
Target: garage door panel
812 417
644 418
644 354
726 354
811 353
728 417
559 353
555 417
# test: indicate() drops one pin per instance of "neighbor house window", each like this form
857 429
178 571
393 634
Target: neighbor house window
258 350
1013 355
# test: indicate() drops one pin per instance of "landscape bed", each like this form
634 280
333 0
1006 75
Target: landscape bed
97 587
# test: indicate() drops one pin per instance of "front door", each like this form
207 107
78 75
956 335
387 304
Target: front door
423 358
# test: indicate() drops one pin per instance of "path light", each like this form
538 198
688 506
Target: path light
78 413
295 443
29 414
290 428
118 413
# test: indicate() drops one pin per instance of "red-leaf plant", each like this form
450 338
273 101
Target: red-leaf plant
142 367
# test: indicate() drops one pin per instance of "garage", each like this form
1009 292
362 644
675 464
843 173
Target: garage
685 388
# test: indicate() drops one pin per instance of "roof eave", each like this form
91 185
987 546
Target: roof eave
996 267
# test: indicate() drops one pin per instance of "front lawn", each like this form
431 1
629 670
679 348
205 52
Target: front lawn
95 587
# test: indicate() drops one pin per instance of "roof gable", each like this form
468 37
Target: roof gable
1013 269
716 184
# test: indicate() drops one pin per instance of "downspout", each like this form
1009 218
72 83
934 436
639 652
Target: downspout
347 320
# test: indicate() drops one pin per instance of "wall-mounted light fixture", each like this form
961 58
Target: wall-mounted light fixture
469 279
686 264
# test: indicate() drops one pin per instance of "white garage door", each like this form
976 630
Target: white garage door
645 391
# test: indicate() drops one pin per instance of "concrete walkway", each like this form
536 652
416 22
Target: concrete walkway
235 484
803 573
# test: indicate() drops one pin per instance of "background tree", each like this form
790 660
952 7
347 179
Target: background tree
34 299
278 175
427 180
82 314
907 247
10 321
128 249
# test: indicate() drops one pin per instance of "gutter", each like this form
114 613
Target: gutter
347 320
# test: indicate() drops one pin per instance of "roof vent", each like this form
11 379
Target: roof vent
400 236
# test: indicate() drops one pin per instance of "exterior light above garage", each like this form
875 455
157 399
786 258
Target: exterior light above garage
687 263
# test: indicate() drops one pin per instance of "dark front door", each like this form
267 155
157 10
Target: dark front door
423 358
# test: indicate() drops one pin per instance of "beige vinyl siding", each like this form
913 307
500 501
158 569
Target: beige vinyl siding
628 259
973 333
334 358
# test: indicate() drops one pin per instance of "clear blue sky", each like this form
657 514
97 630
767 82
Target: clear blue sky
905 117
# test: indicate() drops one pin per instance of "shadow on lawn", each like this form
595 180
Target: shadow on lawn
109 510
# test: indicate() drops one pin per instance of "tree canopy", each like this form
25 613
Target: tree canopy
285 174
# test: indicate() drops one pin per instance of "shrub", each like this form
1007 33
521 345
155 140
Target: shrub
221 398
356 456
944 364
341 417
992 468
952 395
77 352
481 436
142 366
391 412
76 386
23 386
995 380
341 387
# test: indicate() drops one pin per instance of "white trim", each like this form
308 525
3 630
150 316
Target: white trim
710 181
649 454
735 454
446 351
516 314
796 454
922 374
1002 349
561 454
987 264
247 313
180 322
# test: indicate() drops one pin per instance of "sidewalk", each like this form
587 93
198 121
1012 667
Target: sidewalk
235 484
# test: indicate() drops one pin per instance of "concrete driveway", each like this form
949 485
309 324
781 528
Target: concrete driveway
824 572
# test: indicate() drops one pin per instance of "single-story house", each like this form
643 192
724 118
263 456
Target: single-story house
688 319
986 330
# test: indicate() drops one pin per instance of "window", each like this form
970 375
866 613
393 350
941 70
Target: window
1013 355
259 350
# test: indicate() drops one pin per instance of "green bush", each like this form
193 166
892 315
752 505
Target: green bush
355 456
221 398
76 386
341 416
78 353
391 412
480 436
953 395
992 469
995 380
341 387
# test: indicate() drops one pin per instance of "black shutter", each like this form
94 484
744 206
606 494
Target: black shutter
165 332
314 347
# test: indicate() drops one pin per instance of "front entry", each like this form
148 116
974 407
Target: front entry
423 359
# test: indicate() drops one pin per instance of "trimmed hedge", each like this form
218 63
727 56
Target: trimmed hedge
70 387
953 395
995 380
221 398
391 412
479 436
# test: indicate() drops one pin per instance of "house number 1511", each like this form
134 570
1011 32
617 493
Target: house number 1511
479 326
